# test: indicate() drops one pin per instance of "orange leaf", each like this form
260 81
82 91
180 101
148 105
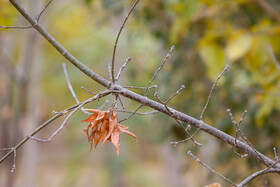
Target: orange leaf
102 127
115 139
91 118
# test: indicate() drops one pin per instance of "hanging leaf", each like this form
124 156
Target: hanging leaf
103 127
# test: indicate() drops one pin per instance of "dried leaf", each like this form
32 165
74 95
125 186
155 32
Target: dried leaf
101 127
115 139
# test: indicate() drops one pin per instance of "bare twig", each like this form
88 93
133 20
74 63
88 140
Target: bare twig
274 60
123 107
138 113
122 68
14 160
212 89
171 114
15 27
132 114
237 125
141 88
63 123
71 88
88 91
117 39
136 97
259 173
57 115
210 169
159 68
59 129
241 133
27 27
45 7
103 105
275 154
182 141
176 93
209 96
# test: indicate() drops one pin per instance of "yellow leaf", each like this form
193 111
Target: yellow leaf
214 58
238 45
268 104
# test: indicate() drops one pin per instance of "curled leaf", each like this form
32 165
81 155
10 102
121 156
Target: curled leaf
103 127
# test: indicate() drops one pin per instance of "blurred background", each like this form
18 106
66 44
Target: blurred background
207 34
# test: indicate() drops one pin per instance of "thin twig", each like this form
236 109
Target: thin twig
71 88
212 89
117 39
269 169
138 113
176 93
274 60
191 136
14 160
123 107
241 133
182 141
27 27
237 131
45 7
237 125
103 105
122 68
132 114
141 88
136 97
210 169
159 68
46 123
171 114
275 154
88 90
59 129
64 122
15 27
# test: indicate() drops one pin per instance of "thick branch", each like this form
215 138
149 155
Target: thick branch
141 99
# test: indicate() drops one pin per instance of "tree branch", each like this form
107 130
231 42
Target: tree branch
139 98
57 115
257 174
